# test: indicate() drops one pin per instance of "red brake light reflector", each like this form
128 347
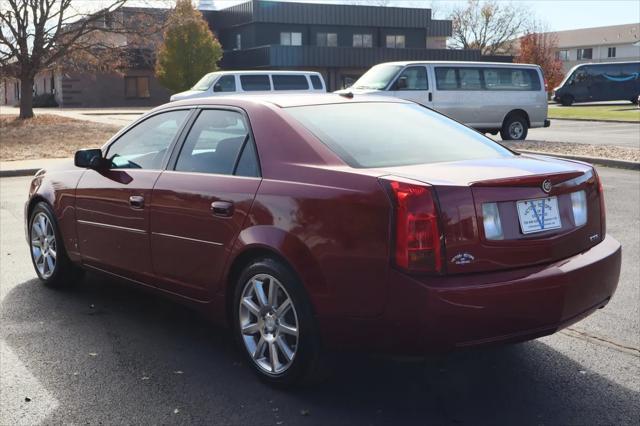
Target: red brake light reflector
417 237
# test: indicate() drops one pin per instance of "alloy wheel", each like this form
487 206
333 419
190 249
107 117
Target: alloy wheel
516 129
43 245
269 324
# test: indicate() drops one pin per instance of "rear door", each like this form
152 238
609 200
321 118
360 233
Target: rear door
112 204
200 203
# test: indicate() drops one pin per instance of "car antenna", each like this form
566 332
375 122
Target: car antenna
348 95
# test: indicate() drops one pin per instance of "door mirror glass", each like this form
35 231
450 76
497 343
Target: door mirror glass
401 84
217 87
89 159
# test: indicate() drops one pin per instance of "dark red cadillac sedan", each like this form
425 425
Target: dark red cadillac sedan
321 221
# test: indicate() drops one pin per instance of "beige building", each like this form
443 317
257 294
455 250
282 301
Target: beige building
600 44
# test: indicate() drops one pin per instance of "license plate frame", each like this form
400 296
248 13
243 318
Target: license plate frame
538 215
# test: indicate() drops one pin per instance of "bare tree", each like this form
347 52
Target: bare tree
489 26
38 34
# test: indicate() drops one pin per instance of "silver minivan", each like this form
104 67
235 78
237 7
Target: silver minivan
236 82
490 97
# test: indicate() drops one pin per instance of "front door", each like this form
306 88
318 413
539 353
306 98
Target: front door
199 206
413 84
112 204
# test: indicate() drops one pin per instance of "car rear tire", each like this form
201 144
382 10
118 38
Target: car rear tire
48 255
635 99
275 327
515 127
566 100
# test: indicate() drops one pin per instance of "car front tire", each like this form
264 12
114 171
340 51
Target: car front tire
274 325
48 255
566 100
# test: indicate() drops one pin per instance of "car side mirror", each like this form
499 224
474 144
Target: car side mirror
401 84
217 87
89 159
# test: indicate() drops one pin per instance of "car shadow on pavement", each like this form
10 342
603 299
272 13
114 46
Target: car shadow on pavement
110 353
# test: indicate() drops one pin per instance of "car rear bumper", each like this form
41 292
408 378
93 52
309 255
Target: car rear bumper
466 310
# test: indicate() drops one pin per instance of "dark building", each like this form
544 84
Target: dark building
339 41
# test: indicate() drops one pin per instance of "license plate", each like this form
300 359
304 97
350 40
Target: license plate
540 214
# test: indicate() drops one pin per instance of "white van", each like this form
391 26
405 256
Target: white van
236 82
490 97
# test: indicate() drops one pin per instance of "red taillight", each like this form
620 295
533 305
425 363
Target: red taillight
417 237
603 215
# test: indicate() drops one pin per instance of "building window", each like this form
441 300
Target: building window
362 40
395 41
585 53
238 41
611 52
327 39
563 55
291 39
136 87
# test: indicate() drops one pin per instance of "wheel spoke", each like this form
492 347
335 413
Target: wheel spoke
284 348
248 303
43 224
273 355
288 329
50 262
251 329
259 348
36 243
52 253
282 309
273 293
258 288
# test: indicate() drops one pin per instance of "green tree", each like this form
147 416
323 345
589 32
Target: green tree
189 49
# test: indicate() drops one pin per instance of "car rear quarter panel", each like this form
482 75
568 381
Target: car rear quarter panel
330 222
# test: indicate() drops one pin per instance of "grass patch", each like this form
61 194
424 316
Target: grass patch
49 136
627 112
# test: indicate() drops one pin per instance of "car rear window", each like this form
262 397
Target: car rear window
290 82
384 134
255 83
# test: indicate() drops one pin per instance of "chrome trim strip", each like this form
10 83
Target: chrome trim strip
187 238
106 225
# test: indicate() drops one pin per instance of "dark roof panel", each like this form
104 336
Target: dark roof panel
321 14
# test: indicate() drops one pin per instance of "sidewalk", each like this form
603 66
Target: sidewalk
114 116
30 167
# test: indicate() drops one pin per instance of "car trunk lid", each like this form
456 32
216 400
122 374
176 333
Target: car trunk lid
463 188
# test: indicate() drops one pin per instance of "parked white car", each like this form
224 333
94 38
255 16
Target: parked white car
235 82
490 97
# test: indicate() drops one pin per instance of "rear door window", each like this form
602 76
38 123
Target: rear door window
511 79
446 78
290 82
253 83
214 143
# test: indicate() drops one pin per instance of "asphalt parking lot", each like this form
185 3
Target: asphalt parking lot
107 353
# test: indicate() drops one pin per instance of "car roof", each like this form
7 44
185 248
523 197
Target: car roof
470 63
249 72
283 100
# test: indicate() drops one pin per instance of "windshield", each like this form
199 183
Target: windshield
205 82
377 77
385 134
569 76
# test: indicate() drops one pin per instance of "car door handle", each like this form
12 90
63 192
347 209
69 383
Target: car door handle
222 208
136 201
430 97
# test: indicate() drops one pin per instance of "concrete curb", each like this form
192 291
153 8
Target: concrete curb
18 172
607 162
595 121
